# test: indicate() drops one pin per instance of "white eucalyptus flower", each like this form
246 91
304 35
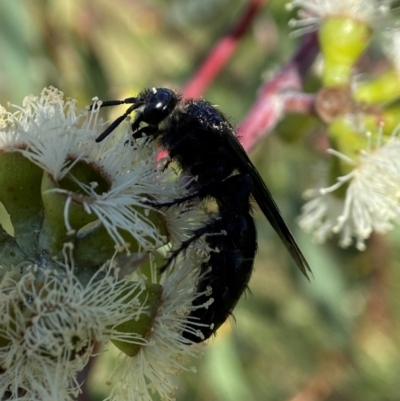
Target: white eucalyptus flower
392 47
74 205
313 12
371 203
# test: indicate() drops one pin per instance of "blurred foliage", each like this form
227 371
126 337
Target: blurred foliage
334 338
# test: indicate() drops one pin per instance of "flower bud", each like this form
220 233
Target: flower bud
342 41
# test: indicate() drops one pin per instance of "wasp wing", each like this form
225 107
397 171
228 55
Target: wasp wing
267 204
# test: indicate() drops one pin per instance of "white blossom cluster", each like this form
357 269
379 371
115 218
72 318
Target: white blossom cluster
54 309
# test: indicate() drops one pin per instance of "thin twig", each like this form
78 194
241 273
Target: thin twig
275 94
221 53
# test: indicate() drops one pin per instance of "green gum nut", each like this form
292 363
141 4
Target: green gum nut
383 89
10 253
150 297
54 231
342 41
20 195
93 244
391 119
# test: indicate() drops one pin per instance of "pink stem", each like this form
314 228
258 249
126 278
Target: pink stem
278 94
298 102
220 54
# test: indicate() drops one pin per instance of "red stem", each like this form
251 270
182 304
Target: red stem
278 93
221 53
298 102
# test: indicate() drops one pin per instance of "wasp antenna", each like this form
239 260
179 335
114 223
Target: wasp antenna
119 120
128 100
110 128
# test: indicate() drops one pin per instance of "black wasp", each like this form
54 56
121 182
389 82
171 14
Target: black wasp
204 144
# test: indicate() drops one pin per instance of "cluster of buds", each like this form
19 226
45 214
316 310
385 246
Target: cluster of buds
359 192
73 213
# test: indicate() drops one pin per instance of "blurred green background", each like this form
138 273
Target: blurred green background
335 338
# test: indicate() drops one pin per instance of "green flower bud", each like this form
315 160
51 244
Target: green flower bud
342 41
381 90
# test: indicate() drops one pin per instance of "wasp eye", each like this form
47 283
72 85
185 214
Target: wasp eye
159 106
